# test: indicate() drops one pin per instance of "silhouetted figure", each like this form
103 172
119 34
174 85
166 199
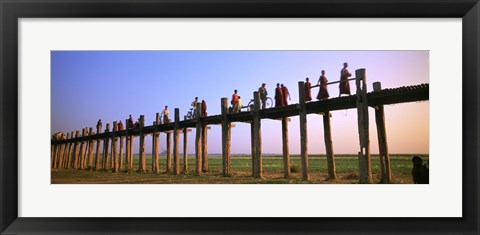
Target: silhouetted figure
194 106
204 108
285 93
308 90
130 122
263 95
99 124
419 171
120 126
344 84
234 102
323 92
165 114
278 96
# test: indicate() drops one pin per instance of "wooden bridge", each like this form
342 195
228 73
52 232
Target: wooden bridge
76 151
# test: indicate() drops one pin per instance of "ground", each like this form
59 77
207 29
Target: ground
346 168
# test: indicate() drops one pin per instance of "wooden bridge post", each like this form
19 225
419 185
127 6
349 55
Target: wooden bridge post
205 148
303 131
120 154
97 152
364 162
286 150
60 155
169 151
225 137
90 148
382 139
82 151
257 136
185 150
155 139
85 154
67 152
75 151
252 144
128 140
176 143
327 132
198 140
105 148
52 154
142 166
114 147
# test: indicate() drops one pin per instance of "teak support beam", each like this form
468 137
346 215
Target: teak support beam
364 162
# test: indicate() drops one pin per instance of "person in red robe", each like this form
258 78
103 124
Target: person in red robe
204 108
278 96
234 102
130 122
323 92
344 84
285 94
308 88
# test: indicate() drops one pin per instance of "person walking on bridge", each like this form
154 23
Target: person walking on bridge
234 102
344 84
263 95
130 122
285 94
278 96
308 90
323 92
165 114
204 108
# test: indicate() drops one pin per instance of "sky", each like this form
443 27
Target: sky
110 85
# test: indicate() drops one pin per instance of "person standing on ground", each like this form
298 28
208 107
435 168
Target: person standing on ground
278 96
263 95
323 92
419 171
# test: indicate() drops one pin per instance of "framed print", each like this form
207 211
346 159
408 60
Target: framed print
66 65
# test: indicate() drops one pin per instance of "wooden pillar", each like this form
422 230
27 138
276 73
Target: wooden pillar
85 153
169 151
386 176
76 151
303 131
185 150
142 166
225 138
90 148
327 132
127 146
59 157
105 165
286 151
155 145
205 148
115 147
252 144
120 155
176 143
70 152
364 164
97 151
198 140
67 152
82 151
52 154
257 136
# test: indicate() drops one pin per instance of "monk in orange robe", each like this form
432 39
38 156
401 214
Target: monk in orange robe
308 88
285 94
278 96
323 92
344 84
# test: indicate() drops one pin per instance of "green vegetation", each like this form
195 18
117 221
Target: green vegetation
241 169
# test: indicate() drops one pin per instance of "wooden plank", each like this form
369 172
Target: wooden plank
225 138
176 143
327 133
364 162
386 176
198 141
303 131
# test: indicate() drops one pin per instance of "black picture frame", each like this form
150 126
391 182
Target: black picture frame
11 11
